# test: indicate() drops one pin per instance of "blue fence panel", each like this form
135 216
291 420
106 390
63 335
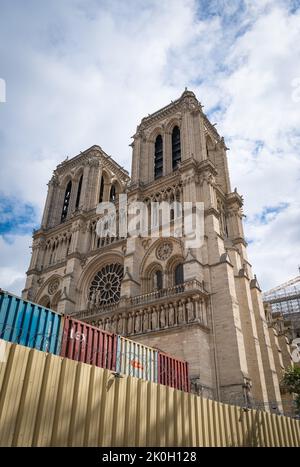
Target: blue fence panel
29 324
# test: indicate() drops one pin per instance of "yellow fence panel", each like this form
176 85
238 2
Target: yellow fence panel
47 400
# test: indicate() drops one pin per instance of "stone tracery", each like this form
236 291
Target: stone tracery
106 285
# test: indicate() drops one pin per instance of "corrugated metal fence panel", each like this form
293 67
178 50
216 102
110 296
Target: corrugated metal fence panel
46 400
29 324
173 372
88 344
135 359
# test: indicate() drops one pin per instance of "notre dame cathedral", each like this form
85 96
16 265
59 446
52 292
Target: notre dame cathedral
201 304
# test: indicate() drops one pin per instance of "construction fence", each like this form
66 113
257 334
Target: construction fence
48 400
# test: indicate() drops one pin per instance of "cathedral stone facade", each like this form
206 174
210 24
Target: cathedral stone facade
202 304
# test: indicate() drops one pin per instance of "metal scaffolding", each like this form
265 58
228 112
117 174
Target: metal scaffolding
285 298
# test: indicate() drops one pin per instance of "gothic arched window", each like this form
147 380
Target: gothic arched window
179 274
158 280
78 192
112 194
66 201
101 190
158 157
176 147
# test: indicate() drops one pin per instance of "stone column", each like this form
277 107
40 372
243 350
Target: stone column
167 154
49 202
251 339
269 368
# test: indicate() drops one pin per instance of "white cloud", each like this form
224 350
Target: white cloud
15 257
82 73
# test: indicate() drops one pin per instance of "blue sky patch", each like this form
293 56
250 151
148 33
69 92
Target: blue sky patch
16 217
269 213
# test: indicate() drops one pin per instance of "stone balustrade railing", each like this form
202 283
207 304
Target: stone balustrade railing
176 312
93 309
167 292
181 305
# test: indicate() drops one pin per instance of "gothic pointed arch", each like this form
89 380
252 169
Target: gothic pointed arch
104 181
174 271
45 301
158 157
66 202
79 192
164 254
113 192
176 147
153 279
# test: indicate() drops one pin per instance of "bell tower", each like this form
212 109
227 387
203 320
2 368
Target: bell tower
201 303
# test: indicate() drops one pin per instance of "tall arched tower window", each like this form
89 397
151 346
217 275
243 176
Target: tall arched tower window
176 147
66 202
158 157
78 192
101 190
112 194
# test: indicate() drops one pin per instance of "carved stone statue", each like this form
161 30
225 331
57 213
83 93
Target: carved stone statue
154 318
190 310
181 312
171 320
197 309
146 319
100 324
119 324
123 321
137 326
93 298
129 324
162 316
114 324
107 324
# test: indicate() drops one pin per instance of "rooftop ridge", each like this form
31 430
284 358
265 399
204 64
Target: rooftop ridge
185 93
95 147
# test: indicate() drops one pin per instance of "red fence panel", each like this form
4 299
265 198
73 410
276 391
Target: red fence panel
88 344
173 372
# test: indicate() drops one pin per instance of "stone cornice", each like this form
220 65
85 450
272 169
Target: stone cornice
233 198
238 240
222 261
100 250
188 164
177 328
53 267
212 211
207 165
83 216
76 255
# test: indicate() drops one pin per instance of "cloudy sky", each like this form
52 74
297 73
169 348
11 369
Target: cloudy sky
84 72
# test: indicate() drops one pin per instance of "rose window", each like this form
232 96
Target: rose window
106 286
164 250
